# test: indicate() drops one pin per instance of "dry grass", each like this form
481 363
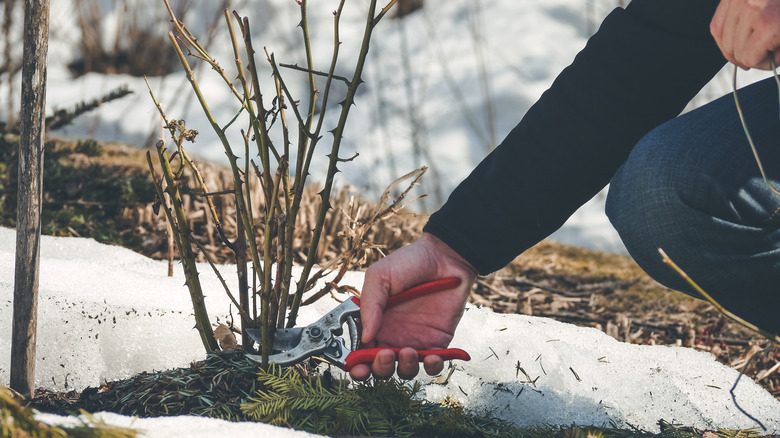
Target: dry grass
389 234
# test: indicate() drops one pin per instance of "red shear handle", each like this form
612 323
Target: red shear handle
367 355
418 291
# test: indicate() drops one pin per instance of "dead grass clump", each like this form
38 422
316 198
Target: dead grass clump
138 45
341 222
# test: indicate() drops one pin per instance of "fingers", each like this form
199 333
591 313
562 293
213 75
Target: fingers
722 28
360 372
376 290
747 33
384 365
408 363
433 365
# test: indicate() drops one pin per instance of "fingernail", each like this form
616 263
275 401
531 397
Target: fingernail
386 360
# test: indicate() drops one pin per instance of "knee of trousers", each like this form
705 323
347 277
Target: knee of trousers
725 235
646 206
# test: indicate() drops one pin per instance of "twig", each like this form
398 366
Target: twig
744 125
771 336
766 373
205 253
315 72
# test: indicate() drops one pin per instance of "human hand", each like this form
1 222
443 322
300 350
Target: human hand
748 32
426 322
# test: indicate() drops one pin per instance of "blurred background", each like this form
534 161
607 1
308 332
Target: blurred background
445 82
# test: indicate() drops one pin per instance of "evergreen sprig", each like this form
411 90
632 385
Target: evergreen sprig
372 408
17 421
64 117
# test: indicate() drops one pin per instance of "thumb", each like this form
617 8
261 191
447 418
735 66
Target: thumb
372 304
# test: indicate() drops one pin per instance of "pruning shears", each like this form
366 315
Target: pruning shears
323 338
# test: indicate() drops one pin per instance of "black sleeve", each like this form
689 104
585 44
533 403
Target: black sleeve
639 70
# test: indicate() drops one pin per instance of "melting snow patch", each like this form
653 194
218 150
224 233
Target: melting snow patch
107 313
534 371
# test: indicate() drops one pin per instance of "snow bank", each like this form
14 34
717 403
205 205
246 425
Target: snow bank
184 426
581 375
107 313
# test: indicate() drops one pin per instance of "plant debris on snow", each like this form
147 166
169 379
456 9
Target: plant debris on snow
611 293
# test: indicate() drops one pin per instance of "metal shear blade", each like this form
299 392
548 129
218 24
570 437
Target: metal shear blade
323 337
298 344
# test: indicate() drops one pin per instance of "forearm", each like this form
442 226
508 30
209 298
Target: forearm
638 71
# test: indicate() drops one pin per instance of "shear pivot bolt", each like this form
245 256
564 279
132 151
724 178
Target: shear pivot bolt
315 333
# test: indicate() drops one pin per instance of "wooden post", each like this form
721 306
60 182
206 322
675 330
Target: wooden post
30 189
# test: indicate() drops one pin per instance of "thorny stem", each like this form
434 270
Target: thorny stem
312 87
305 140
299 183
282 286
265 147
182 235
237 181
318 73
198 176
338 133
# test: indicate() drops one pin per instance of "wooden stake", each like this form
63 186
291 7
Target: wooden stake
30 192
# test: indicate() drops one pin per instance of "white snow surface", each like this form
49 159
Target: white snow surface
108 313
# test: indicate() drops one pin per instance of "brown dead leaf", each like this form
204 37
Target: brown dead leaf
226 338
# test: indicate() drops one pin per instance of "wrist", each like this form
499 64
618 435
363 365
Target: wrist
440 248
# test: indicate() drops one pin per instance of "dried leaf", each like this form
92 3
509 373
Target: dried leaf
226 338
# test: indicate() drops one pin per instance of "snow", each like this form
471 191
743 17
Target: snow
108 313
183 426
